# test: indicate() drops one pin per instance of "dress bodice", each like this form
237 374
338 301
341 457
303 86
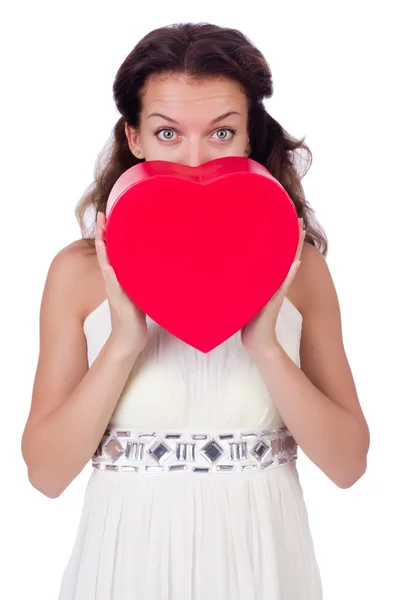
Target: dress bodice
172 385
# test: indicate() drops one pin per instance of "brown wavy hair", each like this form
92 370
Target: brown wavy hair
202 51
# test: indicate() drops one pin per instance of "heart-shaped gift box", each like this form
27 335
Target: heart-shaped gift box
201 249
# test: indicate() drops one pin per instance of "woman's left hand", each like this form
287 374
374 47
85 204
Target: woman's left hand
260 332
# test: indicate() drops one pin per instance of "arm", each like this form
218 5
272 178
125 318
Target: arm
71 404
319 402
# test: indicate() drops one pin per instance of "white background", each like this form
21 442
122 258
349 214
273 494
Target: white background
333 68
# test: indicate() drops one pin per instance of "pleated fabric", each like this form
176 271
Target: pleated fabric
188 536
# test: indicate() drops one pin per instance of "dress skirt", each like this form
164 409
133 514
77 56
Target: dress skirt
189 536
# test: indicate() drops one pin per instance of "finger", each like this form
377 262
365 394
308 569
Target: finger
113 287
111 276
100 242
302 234
282 290
103 224
99 227
101 249
101 254
290 277
299 240
101 220
112 284
300 245
103 259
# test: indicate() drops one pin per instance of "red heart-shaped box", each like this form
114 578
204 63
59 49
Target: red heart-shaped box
201 249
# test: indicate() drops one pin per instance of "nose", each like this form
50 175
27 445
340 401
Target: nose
194 154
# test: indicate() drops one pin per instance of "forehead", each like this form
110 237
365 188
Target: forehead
179 94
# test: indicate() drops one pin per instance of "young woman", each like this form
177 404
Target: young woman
195 492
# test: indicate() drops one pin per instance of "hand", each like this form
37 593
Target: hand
129 325
260 332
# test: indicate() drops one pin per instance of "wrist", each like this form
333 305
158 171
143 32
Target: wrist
269 350
121 351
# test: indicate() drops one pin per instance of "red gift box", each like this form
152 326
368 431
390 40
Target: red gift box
201 249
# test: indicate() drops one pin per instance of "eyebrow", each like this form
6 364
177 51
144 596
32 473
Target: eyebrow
227 114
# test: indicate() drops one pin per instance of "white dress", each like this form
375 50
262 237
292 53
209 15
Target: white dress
193 536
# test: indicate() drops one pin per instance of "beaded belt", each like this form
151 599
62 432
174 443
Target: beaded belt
122 450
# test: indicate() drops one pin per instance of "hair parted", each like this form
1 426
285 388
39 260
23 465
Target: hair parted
202 51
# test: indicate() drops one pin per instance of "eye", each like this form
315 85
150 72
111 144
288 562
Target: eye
169 132
165 130
225 129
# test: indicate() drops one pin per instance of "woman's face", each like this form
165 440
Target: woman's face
190 122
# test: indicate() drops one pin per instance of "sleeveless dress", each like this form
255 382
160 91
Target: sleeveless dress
193 536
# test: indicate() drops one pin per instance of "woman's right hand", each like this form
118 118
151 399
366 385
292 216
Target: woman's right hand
129 327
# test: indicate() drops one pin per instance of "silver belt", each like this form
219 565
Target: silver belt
183 451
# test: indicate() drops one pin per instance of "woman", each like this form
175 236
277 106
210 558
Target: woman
108 374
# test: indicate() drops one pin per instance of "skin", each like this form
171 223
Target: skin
192 140
317 401
193 105
322 390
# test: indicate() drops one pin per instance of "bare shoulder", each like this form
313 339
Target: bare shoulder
79 250
62 361
76 268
